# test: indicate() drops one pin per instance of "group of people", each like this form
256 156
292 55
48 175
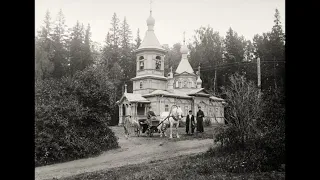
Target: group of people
190 121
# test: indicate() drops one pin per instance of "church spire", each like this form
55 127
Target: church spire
150 20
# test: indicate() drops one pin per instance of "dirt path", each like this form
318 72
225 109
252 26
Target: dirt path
133 151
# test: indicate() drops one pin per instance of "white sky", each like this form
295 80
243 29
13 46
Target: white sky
172 17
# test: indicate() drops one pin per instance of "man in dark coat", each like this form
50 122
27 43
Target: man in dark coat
190 122
200 116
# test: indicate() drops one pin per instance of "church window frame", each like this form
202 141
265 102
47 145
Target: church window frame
141 85
185 83
158 62
166 108
141 62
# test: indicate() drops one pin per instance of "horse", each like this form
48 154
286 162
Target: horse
174 116
129 123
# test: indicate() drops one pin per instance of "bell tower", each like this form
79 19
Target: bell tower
149 62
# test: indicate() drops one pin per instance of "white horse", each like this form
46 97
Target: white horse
175 116
129 124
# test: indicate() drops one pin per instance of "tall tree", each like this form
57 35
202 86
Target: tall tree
43 65
107 52
115 31
87 54
277 38
270 48
208 52
44 50
60 55
76 48
235 47
111 50
172 58
125 34
138 40
127 59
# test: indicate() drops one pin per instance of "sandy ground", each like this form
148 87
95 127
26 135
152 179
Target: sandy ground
133 150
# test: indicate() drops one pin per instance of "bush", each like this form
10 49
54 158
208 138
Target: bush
207 122
254 138
70 122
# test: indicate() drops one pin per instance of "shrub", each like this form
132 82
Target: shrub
254 138
70 122
207 122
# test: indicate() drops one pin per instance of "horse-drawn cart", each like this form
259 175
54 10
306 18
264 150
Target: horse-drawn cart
147 126
152 125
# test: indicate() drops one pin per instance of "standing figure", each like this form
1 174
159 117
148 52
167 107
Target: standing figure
190 122
150 115
200 116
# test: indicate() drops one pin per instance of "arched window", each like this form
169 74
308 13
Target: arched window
158 62
141 85
141 62
185 83
141 65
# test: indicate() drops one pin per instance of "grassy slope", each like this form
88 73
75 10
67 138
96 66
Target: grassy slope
180 168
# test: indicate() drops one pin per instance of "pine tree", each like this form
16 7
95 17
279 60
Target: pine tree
235 47
115 31
138 40
125 35
127 60
277 38
44 50
76 48
208 52
87 56
107 52
60 54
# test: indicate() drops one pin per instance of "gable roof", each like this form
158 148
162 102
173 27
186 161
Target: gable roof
166 93
200 91
184 66
216 98
133 98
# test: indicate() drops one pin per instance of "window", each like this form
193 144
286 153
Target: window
158 62
141 65
141 62
166 108
190 85
141 85
185 83
179 84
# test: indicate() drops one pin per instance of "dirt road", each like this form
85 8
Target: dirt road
133 151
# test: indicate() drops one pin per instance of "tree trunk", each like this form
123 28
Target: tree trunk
215 81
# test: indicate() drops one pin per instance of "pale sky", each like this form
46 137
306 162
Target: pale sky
172 17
